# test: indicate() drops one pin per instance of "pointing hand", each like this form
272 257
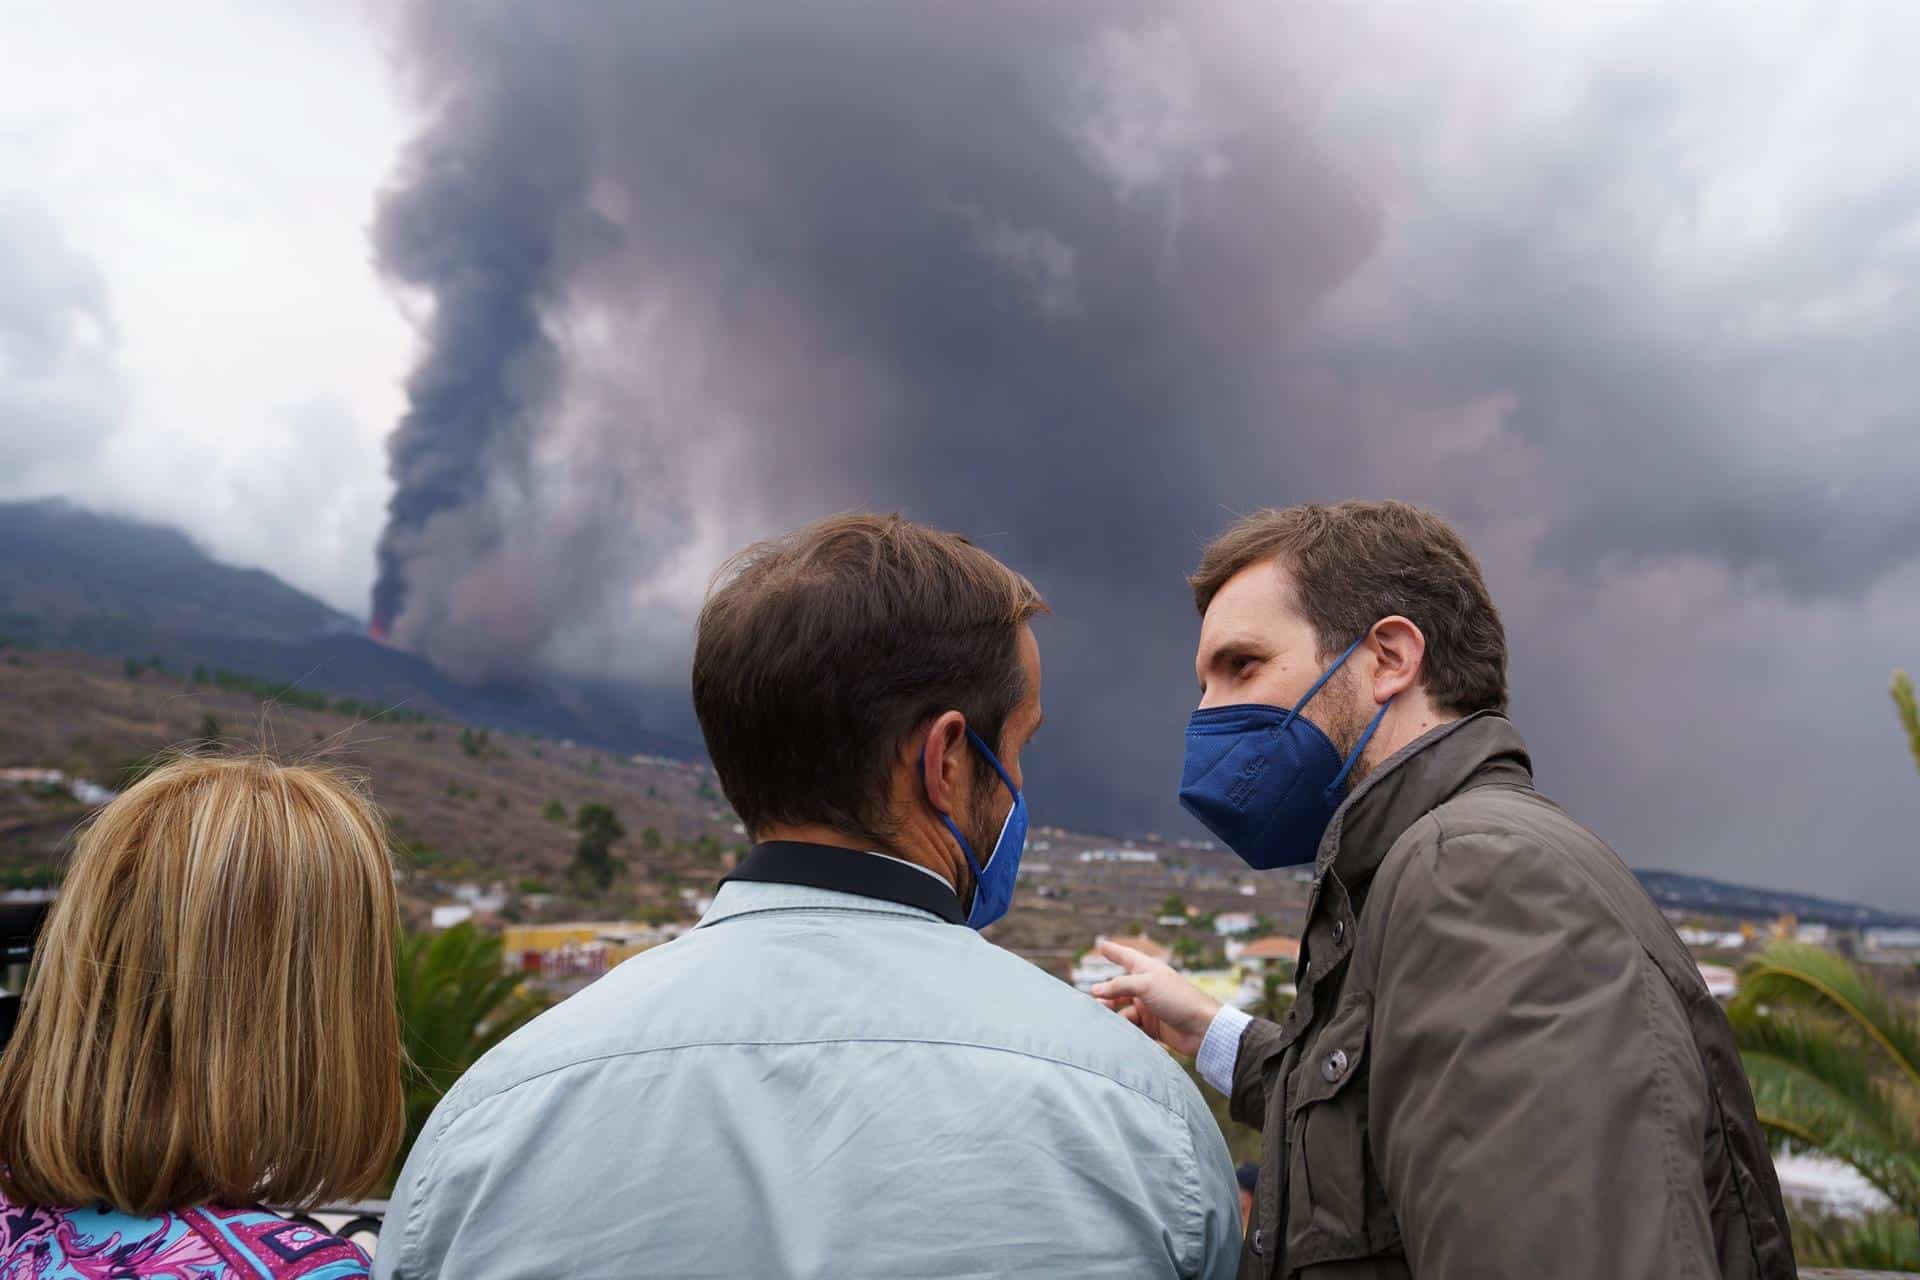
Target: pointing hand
1156 999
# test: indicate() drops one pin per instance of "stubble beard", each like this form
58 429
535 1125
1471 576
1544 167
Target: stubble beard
1353 711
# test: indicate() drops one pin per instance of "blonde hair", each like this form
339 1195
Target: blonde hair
210 1014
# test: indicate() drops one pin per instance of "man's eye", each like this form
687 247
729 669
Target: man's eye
1243 666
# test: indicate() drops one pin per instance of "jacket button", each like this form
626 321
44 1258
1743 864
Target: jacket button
1259 1240
1334 1066
1339 931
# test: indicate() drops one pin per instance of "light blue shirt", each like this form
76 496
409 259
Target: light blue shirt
814 1083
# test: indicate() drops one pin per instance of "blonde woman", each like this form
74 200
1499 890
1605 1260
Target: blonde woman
208 1027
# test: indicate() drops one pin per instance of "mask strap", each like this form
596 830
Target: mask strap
1325 676
1359 748
992 759
966 846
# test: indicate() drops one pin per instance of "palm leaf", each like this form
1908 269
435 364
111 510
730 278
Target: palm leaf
456 1002
1797 976
1832 1065
1909 712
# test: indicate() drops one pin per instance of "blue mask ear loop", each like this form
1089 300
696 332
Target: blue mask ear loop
1359 749
1325 676
966 848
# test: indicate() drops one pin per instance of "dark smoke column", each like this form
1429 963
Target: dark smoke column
482 204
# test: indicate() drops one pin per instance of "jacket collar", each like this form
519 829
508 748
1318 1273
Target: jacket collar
1477 750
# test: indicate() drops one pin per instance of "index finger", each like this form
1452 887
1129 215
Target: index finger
1126 957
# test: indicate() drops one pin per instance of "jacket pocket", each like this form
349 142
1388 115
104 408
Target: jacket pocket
1336 1208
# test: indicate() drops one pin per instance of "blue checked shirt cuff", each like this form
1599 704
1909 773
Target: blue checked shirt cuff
1220 1049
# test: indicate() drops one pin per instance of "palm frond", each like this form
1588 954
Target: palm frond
1796 976
1908 711
1829 1059
456 1002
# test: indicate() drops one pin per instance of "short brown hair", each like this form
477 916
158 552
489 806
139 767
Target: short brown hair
1355 563
210 1015
819 652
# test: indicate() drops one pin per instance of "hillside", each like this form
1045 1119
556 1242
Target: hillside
1705 897
74 579
473 806
466 805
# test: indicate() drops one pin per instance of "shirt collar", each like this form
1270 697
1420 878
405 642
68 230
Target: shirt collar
744 898
925 871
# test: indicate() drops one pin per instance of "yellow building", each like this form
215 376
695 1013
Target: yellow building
583 949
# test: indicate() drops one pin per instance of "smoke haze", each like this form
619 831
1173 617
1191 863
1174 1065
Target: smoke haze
1084 280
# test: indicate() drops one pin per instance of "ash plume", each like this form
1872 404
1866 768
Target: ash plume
1085 278
756 263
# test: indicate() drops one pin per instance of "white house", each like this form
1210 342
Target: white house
452 914
1889 946
1722 982
1119 855
1095 968
1713 939
1231 924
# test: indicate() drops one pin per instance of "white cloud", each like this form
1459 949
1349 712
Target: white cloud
216 165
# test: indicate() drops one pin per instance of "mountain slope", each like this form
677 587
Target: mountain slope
70 578
1718 898
75 579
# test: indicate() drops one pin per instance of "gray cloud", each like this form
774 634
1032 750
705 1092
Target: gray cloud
1082 280
60 390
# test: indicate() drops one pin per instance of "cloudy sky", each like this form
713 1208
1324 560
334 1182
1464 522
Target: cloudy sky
1625 290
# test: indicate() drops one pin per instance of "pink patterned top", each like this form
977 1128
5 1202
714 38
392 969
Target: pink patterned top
205 1243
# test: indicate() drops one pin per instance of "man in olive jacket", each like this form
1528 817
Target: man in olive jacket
1501 1060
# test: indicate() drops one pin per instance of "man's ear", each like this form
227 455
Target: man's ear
943 762
1399 656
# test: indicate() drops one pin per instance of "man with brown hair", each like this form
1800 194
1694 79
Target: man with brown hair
835 1075
1501 1061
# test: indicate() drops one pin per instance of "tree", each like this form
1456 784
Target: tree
554 811
650 839
1835 1068
1172 905
209 730
594 865
456 1002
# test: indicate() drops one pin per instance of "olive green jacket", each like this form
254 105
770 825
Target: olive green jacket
1502 1062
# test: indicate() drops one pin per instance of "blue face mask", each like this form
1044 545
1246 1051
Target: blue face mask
1266 780
993 883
